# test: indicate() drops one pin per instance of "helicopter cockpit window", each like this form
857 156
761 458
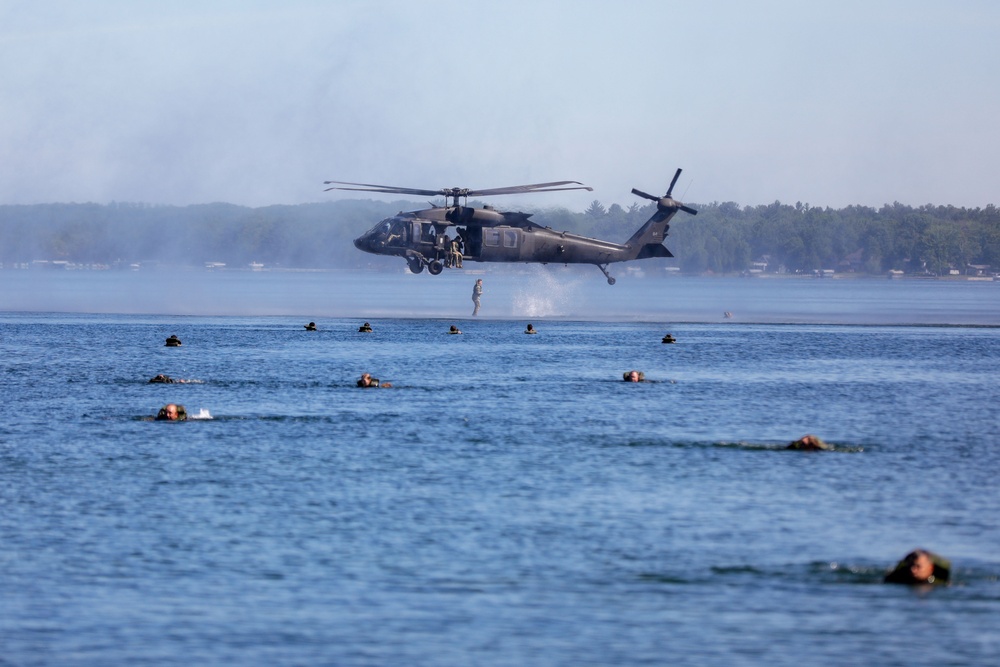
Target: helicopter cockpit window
509 238
389 231
491 237
381 229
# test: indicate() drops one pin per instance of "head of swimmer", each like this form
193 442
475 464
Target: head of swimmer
921 565
169 412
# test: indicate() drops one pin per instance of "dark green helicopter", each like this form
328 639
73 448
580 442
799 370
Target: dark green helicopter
488 235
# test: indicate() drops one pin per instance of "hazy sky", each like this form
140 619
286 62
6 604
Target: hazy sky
829 103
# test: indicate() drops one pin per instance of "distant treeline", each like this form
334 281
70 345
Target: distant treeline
723 238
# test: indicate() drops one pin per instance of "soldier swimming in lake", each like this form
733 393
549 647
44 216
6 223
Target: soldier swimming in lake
920 567
454 330
310 327
366 381
173 341
365 328
165 379
171 412
634 376
809 443
530 329
669 339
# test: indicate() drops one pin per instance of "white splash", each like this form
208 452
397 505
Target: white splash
547 295
202 414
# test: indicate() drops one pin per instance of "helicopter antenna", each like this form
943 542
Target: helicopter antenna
688 187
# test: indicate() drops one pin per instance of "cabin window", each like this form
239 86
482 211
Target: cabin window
510 238
491 237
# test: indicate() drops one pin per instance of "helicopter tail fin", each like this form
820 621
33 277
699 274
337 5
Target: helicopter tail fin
648 240
653 250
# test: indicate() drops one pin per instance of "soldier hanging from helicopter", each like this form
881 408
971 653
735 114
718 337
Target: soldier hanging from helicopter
442 249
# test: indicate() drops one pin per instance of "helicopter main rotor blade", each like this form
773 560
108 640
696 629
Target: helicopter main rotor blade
483 194
388 189
554 186
535 187
673 182
688 209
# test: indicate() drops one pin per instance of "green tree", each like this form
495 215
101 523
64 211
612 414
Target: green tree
596 210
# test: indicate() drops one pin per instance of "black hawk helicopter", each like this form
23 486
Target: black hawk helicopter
488 235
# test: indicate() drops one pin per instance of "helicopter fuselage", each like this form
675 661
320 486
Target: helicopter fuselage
424 234
488 235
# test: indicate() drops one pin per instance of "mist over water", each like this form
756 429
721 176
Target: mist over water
520 292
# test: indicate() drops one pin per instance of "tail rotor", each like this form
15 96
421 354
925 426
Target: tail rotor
667 203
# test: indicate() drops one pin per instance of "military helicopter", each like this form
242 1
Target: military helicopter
488 235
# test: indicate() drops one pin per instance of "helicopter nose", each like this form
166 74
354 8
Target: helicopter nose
359 243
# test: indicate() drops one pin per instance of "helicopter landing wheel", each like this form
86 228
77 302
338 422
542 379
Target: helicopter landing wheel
604 270
435 267
611 281
416 266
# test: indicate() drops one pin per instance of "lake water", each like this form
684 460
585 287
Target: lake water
510 501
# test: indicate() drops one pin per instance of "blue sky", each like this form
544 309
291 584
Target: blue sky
256 103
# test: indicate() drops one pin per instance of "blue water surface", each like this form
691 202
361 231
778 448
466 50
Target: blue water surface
510 501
